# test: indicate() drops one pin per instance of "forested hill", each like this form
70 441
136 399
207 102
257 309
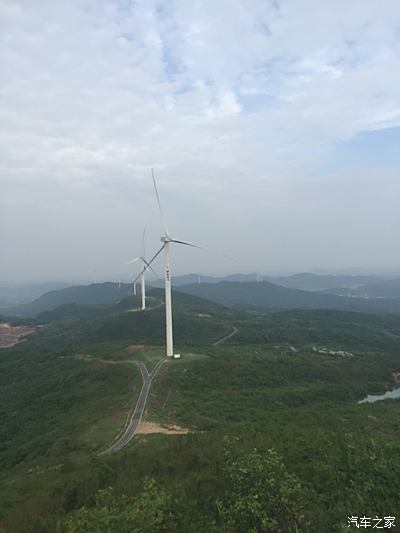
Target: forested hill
94 294
11 296
305 280
309 281
182 303
246 293
254 407
384 289
389 288
266 295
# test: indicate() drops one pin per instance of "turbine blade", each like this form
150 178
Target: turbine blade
151 268
133 260
187 243
159 203
219 254
142 247
213 252
225 256
147 265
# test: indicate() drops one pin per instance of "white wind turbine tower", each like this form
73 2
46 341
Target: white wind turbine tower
144 266
166 239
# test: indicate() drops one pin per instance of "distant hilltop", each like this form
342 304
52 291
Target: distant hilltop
361 293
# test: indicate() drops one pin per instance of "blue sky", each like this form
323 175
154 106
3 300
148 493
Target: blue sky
379 149
264 121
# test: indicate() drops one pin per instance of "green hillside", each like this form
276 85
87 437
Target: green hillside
314 282
268 296
339 329
11 296
305 280
270 420
382 289
195 320
95 294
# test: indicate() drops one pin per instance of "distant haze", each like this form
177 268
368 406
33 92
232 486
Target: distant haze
273 128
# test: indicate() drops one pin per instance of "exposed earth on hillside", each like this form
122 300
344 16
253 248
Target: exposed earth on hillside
12 335
152 427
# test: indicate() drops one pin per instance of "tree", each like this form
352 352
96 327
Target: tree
261 495
151 511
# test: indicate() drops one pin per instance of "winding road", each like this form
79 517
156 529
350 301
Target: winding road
136 416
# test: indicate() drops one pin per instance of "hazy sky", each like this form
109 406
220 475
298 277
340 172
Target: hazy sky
273 128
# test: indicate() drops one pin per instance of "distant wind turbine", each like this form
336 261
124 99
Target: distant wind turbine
144 266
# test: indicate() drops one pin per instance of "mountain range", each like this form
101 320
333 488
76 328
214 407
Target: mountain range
271 297
250 295
305 281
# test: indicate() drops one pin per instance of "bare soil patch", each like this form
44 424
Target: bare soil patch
12 335
146 428
135 347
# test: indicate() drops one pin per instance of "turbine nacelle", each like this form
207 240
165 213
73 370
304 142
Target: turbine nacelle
166 238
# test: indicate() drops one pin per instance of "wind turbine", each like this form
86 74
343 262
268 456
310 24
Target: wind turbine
166 239
144 266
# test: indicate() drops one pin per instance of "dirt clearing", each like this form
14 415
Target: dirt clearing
12 335
146 428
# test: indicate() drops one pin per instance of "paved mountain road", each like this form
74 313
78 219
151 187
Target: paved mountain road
137 414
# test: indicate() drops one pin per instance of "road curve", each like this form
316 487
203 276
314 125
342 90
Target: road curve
233 332
137 414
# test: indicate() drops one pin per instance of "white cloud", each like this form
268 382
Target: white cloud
222 98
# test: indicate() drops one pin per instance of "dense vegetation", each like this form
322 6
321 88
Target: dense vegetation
301 291
277 440
272 297
379 289
94 294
